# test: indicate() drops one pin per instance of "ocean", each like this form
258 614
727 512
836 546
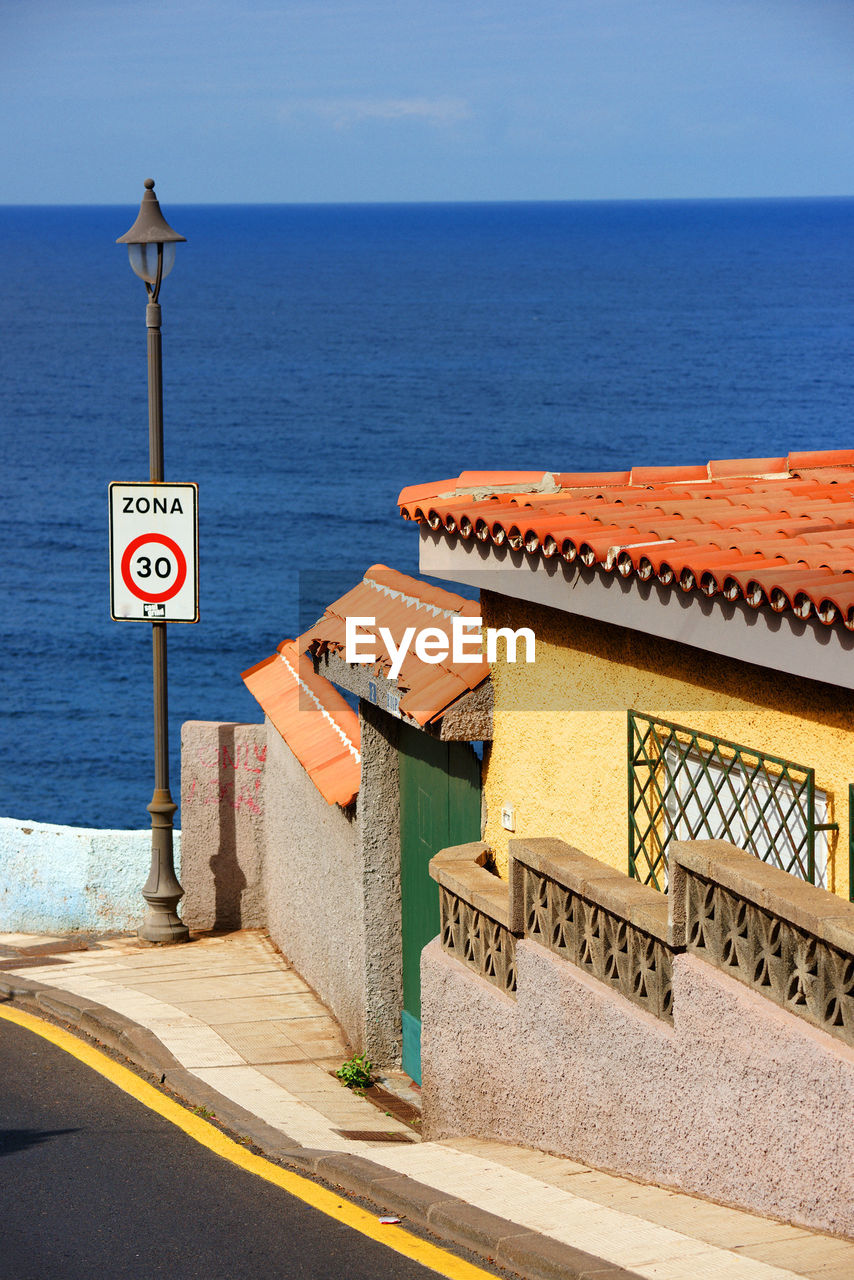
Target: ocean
319 358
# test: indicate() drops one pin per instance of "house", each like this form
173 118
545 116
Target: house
695 654
660 978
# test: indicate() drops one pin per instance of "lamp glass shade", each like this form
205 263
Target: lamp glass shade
143 260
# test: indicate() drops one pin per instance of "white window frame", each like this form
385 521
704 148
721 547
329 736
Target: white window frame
698 825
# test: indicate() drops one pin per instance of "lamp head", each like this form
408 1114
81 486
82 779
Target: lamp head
151 238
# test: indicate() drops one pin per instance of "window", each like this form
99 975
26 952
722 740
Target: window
685 785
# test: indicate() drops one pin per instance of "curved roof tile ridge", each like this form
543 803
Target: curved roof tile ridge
733 527
415 590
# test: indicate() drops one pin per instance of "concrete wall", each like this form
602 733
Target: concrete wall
63 879
222 819
559 749
312 884
332 886
262 848
379 808
738 1101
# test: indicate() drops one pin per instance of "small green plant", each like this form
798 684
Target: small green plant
203 1112
356 1072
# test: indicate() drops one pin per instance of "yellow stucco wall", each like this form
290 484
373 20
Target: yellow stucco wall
559 753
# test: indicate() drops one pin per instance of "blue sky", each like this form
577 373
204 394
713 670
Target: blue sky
363 100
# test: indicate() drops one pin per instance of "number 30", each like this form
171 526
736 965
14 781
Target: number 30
162 567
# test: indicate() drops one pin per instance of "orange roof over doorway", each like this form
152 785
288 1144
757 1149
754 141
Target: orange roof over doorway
396 601
316 722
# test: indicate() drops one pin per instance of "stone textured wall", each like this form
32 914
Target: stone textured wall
222 820
262 848
379 807
332 886
703 1040
313 886
63 879
737 1101
559 750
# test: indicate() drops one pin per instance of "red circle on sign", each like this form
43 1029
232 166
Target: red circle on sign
181 565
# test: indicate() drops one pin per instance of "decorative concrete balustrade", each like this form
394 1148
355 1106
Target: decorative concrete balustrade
474 909
791 942
613 928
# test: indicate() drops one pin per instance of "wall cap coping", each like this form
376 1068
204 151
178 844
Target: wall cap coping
467 718
221 724
604 886
461 869
806 906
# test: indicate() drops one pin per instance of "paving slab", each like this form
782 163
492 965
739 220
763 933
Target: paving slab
824 1258
253 1008
553 1169
27 939
222 986
262 1043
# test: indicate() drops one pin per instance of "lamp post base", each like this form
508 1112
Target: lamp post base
162 928
162 891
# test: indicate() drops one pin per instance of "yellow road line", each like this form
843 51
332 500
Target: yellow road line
393 1237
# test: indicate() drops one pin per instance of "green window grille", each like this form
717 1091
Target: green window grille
687 785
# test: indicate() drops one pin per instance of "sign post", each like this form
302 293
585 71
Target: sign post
151 555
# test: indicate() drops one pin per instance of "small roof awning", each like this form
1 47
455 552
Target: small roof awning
398 602
318 724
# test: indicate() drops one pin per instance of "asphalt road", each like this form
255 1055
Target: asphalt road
95 1186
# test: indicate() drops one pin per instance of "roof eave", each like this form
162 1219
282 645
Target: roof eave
774 641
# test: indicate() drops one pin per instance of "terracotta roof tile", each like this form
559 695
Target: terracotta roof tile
665 475
585 479
825 458
742 468
396 602
777 532
318 725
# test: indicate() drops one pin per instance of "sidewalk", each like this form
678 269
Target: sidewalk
229 1025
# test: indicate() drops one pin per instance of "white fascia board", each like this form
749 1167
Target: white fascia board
775 641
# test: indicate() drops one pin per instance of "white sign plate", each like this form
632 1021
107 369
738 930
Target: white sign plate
154 552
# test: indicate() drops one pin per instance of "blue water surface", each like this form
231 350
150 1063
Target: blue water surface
319 358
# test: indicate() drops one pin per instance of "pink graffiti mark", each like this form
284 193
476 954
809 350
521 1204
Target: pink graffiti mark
246 795
242 759
237 780
247 756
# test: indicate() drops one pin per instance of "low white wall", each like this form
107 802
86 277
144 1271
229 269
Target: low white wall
64 879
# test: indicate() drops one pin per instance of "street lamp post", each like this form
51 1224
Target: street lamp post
151 247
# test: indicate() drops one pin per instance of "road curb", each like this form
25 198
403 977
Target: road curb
493 1239
138 1044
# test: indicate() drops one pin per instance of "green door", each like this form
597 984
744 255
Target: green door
439 806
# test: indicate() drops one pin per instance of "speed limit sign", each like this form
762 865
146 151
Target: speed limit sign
154 552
